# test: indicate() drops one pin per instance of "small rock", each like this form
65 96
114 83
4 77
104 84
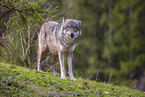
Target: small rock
106 92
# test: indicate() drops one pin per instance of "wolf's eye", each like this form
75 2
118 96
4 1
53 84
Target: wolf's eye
75 27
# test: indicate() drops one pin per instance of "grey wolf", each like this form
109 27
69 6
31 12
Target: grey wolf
59 38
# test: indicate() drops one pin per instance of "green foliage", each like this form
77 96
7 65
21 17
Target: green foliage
22 30
18 81
29 12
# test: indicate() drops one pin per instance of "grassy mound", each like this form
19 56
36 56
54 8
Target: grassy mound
20 81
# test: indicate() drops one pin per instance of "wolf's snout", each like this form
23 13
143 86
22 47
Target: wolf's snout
72 35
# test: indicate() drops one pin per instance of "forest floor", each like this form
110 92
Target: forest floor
19 81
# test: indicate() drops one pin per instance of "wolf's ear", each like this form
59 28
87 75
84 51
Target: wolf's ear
80 22
63 19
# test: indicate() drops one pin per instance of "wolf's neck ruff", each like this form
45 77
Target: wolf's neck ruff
66 43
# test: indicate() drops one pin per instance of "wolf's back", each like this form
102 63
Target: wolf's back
50 27
47 36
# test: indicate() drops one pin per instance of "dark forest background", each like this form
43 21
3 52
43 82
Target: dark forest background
111 48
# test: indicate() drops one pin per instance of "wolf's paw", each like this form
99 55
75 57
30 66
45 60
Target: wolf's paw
63 77
39 70
73 79
56 74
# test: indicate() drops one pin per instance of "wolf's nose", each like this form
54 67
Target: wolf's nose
72 35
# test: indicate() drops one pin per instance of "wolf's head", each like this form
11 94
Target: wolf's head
71 27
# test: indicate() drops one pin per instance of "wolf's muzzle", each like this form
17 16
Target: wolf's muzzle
72 35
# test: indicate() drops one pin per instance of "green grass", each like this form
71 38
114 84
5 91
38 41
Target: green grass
19 81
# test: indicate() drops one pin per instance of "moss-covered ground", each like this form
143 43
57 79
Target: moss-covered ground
19 81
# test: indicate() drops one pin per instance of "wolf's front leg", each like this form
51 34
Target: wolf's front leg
70 56
61 61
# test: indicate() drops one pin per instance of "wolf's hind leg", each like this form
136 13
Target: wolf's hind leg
41 47
54 65
39 59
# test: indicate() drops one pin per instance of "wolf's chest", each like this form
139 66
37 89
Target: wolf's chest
62 48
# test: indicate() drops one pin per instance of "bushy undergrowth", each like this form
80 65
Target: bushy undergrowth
19 81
